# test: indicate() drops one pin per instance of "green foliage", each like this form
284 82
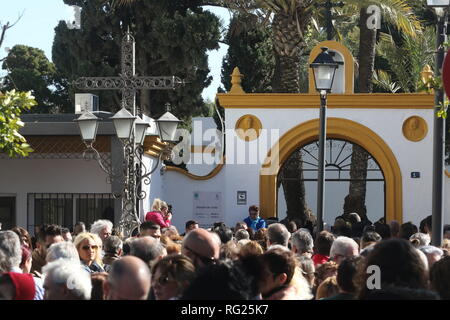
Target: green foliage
250 49
30 70
172 38
408 57
12 104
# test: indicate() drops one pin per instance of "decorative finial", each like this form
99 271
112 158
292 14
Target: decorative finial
426 75
168 107
236 80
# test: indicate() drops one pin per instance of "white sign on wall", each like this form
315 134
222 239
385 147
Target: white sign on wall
207 208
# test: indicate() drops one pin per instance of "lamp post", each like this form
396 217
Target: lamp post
324 68
441 10
130 129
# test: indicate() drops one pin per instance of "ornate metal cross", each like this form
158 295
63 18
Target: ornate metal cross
128 81
329 5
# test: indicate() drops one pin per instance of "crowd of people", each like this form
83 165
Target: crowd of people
253 260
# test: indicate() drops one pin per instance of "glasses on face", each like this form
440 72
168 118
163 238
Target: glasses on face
205 260
88 247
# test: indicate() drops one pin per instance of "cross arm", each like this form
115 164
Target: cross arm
133 83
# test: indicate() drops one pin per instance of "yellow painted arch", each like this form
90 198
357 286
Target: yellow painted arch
210 175
337 128
349 64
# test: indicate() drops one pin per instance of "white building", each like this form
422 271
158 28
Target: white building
56 185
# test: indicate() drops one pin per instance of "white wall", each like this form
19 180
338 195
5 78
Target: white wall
238 175
177 189
22 176
387 123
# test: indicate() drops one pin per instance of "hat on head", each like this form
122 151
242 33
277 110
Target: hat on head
24 285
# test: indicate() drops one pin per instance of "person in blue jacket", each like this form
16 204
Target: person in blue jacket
253 220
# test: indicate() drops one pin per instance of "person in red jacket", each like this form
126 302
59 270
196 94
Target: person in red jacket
159 214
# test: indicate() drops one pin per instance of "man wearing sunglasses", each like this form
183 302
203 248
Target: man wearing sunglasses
201 247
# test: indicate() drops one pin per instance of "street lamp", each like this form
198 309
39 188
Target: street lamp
88 124
124 124
441 9
324 68
131 131
167 126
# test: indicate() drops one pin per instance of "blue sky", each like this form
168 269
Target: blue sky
40 17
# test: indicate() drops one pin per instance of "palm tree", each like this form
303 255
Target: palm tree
290 20
399 14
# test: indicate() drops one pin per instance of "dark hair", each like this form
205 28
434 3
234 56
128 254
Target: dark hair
401 293
190 223
383 230
149 225
370 237
400 265
323 243
346 272
98 279
65 230
279 261
219 224
440 277
225 233
407 230
225 280
446 228
22 233
425 223
253 208
48 230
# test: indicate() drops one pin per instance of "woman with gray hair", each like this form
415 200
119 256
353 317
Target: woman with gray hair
66 280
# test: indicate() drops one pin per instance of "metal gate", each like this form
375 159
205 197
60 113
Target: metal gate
337 177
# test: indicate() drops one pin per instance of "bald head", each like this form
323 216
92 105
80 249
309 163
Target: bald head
200 246
129 279
148 249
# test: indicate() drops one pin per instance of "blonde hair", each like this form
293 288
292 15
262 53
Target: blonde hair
156 206
250 248
164 205
92 236
327 288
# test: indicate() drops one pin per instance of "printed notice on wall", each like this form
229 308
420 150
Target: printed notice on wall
207 208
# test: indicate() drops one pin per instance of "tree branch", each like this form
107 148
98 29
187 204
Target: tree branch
8 26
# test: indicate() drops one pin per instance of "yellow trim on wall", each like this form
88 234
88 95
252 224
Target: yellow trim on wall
344 101
337 128
210 175
349 64
203 149
447 173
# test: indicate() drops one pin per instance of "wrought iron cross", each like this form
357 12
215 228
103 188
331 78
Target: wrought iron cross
128 81
329 5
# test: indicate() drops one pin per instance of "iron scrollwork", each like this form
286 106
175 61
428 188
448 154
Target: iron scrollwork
135 171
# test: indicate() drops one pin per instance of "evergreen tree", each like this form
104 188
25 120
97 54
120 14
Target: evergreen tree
249 49
172 38
30 70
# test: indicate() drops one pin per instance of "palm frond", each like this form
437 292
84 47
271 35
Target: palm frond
382 79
